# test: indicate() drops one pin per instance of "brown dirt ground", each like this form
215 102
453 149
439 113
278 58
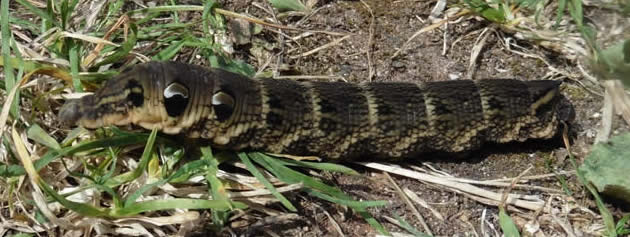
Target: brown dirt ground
394 22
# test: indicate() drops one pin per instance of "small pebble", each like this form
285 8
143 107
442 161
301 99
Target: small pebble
453 76
398 64
596 115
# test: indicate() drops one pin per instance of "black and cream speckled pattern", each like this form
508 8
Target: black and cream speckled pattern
328 119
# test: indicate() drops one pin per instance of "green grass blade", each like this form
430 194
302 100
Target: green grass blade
405 225
147 18
15 107
6 51
252 169
290 176
123 50
67 8
30 26
98 77
23 234
170 51
561 178
49 23
16 62
65 14
607 217
575 9
217 190
159 9
562 4
175 15
151 32
231 65
609 221
111 163
38 134
44 15
621 225
116 198
189 167
113 9
319 166
142 165
288 5
209 18
614 62
117 180
74 64
347 202
626 51
176 203
507 224
486 11
73 135
120 140
81 208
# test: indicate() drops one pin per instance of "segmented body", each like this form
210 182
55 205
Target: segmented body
331 119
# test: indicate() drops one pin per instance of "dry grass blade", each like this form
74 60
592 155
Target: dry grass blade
88 38
396 234
427 29
368 52
283 218
533 177
307 77
437 10
271 233
90 10
476 50
607 114
35 180
501 183
413 196
26 160
514 181
261 192
466 188
122 20
333 222
325 46
620 98
566 226
177 218
261 22
292 157
4 114
410 204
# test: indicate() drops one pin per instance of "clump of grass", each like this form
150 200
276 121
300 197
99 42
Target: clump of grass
103 168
